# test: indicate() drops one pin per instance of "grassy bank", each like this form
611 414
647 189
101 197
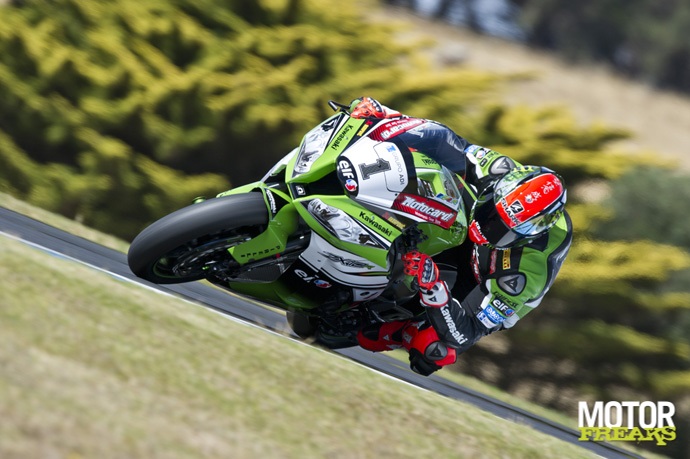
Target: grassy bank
92 366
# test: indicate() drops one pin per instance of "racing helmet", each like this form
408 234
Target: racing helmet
517 208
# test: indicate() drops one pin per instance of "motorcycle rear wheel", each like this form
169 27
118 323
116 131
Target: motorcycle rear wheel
185 245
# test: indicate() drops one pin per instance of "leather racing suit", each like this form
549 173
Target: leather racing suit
489 289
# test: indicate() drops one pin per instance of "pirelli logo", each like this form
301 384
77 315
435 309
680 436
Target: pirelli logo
506 259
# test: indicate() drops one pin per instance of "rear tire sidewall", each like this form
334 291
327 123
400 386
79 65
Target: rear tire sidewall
189 223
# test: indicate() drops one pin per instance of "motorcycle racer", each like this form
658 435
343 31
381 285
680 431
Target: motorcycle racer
519 236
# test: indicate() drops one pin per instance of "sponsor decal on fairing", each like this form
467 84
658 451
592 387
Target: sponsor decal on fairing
343 136
347 176
312 279
426 209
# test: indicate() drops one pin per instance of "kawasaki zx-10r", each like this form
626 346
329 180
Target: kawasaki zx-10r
321 235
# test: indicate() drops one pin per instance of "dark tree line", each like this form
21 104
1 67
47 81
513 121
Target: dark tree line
643 39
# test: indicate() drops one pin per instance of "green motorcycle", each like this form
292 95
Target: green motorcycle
321 235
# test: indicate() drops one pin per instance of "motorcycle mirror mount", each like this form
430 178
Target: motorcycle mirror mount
336 106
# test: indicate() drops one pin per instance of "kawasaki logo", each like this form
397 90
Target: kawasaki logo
371 221
452 328
342 136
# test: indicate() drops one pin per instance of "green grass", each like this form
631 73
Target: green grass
92 366
491 391
45 292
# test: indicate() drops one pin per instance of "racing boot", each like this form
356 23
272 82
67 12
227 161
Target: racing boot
427 353
382 336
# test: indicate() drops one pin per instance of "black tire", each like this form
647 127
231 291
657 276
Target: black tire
302 324
197 234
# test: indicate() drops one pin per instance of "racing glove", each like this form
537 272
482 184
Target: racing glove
433 292
367 107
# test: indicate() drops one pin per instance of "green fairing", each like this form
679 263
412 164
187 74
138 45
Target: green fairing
276 293
359 213
270 242
285 222
440 239
325 163
423 161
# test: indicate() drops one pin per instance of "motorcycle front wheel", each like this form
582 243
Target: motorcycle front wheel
187 244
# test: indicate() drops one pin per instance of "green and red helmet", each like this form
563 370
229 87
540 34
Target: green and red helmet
519 207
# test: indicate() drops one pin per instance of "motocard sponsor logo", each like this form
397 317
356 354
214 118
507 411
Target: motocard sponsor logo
627 421
394 128
426 209
373 222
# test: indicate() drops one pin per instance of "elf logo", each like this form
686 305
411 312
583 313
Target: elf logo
313 279
345 169
347 175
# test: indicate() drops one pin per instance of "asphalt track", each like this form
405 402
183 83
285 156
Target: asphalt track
53 239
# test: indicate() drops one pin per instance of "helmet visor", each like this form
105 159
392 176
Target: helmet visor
537 225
